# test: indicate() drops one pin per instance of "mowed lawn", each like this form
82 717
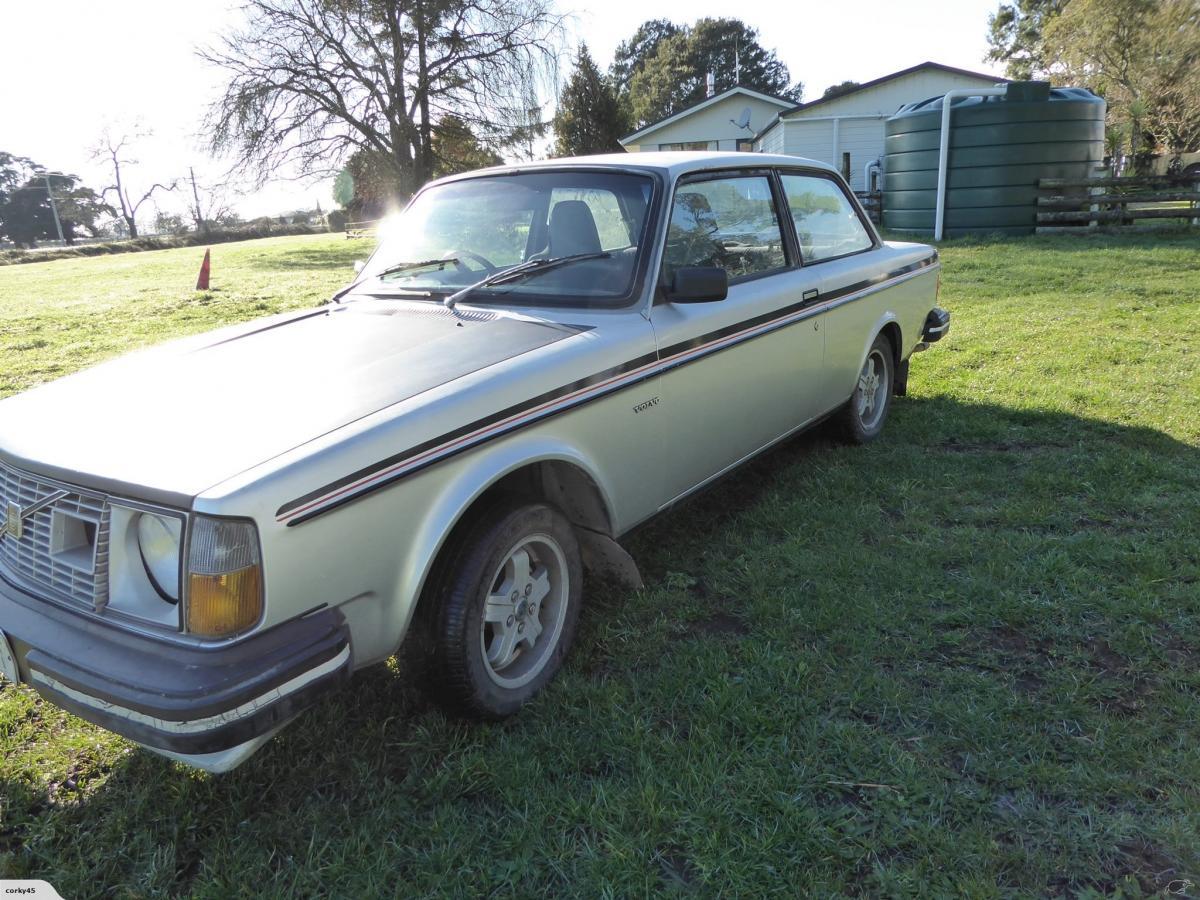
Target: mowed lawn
962 660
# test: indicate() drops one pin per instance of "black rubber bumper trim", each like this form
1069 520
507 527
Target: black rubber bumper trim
171 681
216 739
937 323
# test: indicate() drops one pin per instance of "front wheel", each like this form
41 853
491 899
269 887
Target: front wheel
862 418
507 610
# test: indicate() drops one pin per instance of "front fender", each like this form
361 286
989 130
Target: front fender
473 475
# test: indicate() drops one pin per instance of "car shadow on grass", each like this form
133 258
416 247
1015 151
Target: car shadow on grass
975 638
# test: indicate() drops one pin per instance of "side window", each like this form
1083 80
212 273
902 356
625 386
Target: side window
611 225
726 222
826 223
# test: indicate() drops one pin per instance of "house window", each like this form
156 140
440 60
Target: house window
745 145
690 145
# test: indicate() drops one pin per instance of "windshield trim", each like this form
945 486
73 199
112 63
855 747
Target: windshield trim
501 295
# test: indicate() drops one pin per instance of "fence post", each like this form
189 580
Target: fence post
1095 191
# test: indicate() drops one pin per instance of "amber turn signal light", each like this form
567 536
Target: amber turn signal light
223 605
224 579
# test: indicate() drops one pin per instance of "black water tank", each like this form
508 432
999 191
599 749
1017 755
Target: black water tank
999 147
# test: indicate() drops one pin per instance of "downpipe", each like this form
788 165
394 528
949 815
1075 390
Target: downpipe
944 147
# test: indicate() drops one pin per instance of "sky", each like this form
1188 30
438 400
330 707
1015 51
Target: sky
58 93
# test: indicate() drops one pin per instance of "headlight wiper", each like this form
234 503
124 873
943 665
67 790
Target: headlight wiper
522 270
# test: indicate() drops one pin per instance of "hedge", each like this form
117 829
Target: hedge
161 242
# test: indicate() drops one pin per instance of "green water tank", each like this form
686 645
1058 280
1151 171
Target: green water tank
999 147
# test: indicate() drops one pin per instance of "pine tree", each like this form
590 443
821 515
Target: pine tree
665 67
589 118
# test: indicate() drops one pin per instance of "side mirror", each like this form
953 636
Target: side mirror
359 265
699 284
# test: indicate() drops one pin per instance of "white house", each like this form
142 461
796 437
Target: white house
847 130
726 121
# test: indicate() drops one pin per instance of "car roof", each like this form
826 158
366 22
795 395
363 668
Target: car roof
671 163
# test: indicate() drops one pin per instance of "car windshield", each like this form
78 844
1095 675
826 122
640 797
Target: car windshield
457 234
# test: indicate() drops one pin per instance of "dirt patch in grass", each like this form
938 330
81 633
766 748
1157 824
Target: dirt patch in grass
1106 659
954 445
1154 870
675 869
720 624
1018 643
1028 683
1127 690
1001 651
1176 650
1022 657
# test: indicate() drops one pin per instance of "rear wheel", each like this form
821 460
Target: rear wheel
861 420
507 609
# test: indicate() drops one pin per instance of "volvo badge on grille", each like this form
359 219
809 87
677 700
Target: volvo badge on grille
15 517
12 521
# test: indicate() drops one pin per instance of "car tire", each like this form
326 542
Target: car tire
862 418
505 609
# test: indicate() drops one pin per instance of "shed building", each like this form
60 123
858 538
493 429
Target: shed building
853 123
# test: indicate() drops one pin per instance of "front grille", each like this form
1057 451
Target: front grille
63 548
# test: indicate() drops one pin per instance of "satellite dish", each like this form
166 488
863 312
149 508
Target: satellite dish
743 120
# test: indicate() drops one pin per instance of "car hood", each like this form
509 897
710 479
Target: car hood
177 419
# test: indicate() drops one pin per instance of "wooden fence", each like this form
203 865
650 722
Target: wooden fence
361 229
1067 205
872 202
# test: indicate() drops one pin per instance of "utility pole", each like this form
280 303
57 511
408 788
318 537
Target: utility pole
54 208
201 225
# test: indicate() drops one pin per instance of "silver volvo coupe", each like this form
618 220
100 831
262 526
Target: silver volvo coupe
200 539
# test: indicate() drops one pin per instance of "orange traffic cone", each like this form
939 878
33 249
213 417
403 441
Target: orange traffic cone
202 281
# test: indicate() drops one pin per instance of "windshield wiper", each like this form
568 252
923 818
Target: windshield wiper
421 264
522 270
392 270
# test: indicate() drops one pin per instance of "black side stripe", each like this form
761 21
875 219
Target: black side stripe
451 436
819 305
308 506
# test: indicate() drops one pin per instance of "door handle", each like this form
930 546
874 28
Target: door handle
810 295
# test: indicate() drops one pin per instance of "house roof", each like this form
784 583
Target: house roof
867 85
875 82
704 104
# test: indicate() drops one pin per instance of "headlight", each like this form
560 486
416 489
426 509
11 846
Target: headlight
225 595
158 542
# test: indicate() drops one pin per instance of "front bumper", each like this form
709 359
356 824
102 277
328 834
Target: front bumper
178 699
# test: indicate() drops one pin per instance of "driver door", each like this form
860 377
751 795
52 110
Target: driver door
744 371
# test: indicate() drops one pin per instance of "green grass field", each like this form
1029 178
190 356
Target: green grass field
962 660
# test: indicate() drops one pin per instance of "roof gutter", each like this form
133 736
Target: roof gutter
944 147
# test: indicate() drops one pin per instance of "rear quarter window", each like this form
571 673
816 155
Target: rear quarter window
827 224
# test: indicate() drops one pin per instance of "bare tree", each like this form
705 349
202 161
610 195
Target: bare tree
210 203
113 151
312 81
